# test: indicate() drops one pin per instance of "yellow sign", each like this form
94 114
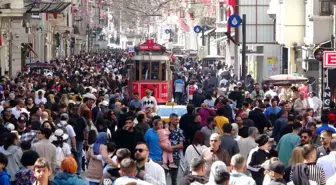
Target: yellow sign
272 60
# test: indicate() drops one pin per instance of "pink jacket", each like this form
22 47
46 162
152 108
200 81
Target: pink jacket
164 136
205 113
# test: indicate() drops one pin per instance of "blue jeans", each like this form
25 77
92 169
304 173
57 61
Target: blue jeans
79 145
93 183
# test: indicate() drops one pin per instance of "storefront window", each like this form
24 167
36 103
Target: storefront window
325 7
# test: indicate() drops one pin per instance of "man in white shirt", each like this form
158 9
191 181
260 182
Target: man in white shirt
271 92
68 129
40 99
148 170
327 163
19 109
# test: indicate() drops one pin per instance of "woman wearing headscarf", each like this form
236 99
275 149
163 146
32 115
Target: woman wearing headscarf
235 130
95 168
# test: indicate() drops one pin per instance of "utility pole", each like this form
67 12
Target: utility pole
203 38
243 74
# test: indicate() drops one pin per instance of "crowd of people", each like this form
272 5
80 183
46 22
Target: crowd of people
80 125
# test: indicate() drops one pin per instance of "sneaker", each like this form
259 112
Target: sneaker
172 165
164 166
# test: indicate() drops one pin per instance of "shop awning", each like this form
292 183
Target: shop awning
46 6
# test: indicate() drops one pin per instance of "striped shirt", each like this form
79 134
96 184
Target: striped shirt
315 174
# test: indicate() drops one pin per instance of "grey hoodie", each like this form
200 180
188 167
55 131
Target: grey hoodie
14 154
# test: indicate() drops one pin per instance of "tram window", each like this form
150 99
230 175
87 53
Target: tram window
145 70
163 77
155 71
137 75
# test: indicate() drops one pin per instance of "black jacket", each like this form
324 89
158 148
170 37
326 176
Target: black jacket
259 119
187 180
185 119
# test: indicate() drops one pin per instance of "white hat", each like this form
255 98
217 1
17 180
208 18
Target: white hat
90 96
104 103
10 127
59 133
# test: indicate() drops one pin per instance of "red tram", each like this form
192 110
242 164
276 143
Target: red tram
150 69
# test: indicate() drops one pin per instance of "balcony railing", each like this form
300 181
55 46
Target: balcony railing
46 6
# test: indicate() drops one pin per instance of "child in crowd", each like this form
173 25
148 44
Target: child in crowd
167 157
128 171
4 176
111 149
113 173
42 171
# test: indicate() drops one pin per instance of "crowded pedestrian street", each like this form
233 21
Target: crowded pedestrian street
167 92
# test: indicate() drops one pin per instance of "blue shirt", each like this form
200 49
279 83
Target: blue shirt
324 126
153 141
179 85
136 103
271 110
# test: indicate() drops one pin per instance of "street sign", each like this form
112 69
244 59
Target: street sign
167 31
329 59
234 20
131 50
205 28
197 29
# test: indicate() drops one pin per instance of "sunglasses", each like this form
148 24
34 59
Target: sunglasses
214 141
140 150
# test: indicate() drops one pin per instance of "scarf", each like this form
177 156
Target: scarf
101 139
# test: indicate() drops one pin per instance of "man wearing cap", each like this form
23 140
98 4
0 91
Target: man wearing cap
198 169
63 124
277 171
327 163
21 125
149 101
259 157
88 101
238 167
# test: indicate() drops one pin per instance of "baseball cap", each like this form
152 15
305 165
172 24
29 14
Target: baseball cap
64 116
196 163
22 119
278 167
90 96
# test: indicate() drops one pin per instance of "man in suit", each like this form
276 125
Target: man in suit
45 148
